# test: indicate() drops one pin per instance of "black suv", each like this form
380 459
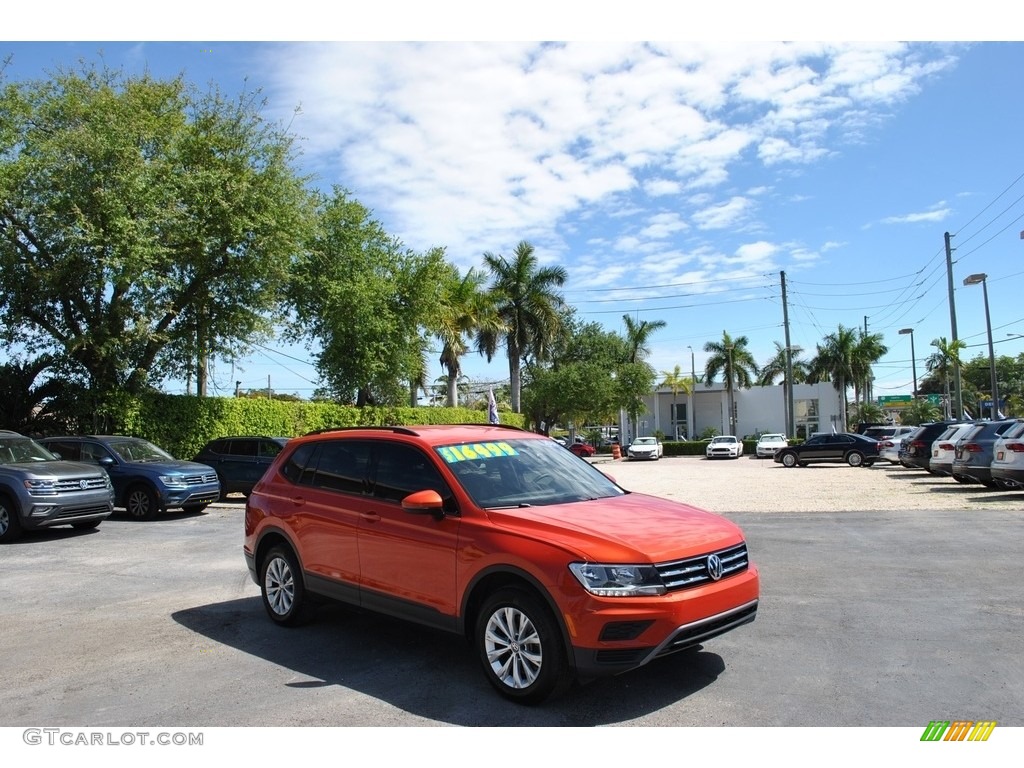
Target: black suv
38 490
240 461
917 449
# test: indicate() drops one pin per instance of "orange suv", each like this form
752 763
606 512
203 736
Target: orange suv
551 570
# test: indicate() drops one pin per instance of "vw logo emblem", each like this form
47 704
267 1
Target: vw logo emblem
714 567
83 484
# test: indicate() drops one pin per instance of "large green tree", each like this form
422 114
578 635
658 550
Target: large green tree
776 368
143 225
528 302
733 360
678 382
363 300
943 362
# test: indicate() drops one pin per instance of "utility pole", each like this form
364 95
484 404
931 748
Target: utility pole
790 417
958 401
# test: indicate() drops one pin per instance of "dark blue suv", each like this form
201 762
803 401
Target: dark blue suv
146 479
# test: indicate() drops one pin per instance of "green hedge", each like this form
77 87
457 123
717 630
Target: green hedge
182 424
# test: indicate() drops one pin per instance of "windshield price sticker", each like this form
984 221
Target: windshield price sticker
456 453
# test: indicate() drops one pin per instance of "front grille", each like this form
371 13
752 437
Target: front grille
80 484
200 479
683 574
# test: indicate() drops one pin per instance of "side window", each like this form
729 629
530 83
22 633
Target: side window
68 451
243 448
300 467
268 449
398 470
93 452
341 466
218 446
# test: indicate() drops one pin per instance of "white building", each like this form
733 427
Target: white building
758 410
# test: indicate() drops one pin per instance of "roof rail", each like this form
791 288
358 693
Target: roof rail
371 427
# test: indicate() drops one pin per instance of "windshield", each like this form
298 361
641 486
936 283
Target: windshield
524 473
724 440
18 450
645 441
135 449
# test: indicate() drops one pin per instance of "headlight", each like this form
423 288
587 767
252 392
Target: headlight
173 481
618 580
41 487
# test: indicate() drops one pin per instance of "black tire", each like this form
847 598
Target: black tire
86 526
10 523
284 593
789 460
520 647
855 458
963 479
141 502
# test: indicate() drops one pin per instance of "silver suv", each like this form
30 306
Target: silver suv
38 490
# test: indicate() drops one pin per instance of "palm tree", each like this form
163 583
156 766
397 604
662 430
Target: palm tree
528 306
638 335
835 361
776 369
677 382
464 309
732 358
943 361
869 350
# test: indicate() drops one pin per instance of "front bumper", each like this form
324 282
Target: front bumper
616 635
46 513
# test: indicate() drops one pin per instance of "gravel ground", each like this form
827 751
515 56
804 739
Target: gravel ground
749 484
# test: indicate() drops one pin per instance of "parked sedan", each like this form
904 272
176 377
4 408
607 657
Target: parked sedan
855 450
724 447
645 448
1008 458
767 445
583 449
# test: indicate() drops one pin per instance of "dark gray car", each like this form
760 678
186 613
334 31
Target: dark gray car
973 456
38 490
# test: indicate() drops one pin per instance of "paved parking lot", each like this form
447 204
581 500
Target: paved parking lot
875 611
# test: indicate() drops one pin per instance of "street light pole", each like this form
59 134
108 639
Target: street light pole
981 277
728 381
913 359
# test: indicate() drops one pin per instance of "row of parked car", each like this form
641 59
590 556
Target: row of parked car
988 452
79 480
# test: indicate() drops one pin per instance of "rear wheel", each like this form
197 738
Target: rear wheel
520 647
284 593
855 458
10 524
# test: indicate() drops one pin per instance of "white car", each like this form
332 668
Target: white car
724 447
645 448
768 444
944 449
1008 458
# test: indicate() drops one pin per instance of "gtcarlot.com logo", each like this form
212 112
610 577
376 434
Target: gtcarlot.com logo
958 730
72 738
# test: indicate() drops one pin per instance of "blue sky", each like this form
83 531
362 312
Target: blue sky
674 181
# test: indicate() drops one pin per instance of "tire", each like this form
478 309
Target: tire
86 526
284 593
963 479
855 458
520 647
141 502
10 523
789 460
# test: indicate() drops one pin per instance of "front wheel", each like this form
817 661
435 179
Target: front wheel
141 502
10 524
520 647
854 458
789 460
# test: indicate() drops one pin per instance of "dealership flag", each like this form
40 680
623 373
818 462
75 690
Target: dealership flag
492 408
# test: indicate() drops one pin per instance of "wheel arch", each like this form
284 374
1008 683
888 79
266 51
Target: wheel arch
269 539
498 577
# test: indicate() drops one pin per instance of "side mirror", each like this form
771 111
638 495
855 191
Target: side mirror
106 461
424 502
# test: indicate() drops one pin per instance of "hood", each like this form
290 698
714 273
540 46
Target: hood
174 466
634 528
44 470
